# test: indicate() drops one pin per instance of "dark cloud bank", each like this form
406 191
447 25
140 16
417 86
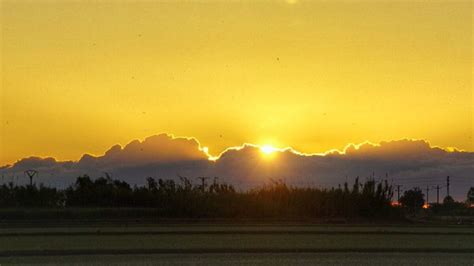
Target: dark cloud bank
407 162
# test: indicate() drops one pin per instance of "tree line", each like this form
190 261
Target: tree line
183 199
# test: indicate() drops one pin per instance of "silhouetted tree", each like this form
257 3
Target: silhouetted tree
185 200
470 196
413 199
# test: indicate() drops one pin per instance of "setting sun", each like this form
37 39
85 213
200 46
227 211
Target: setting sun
267 149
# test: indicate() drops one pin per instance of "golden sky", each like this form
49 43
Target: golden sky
80 76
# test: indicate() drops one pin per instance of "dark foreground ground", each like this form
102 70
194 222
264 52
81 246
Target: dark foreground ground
335 258
236 244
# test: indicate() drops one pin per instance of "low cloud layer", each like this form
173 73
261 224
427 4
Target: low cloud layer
405 162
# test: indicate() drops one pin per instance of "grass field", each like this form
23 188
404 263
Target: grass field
249 244
256 259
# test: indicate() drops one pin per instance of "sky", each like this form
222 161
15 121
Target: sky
80 76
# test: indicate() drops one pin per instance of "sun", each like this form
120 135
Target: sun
268 149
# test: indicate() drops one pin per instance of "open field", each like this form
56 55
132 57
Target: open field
252 244
256 259
103 229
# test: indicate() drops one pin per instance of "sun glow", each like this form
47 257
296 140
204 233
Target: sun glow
268 149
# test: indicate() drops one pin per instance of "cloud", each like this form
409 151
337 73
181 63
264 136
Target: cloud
161 148
405 162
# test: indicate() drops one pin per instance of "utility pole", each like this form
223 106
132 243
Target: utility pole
31 173
447 186
427 195
398 194
437 194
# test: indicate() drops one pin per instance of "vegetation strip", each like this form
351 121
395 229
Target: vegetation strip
106 198
25 253
273 232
